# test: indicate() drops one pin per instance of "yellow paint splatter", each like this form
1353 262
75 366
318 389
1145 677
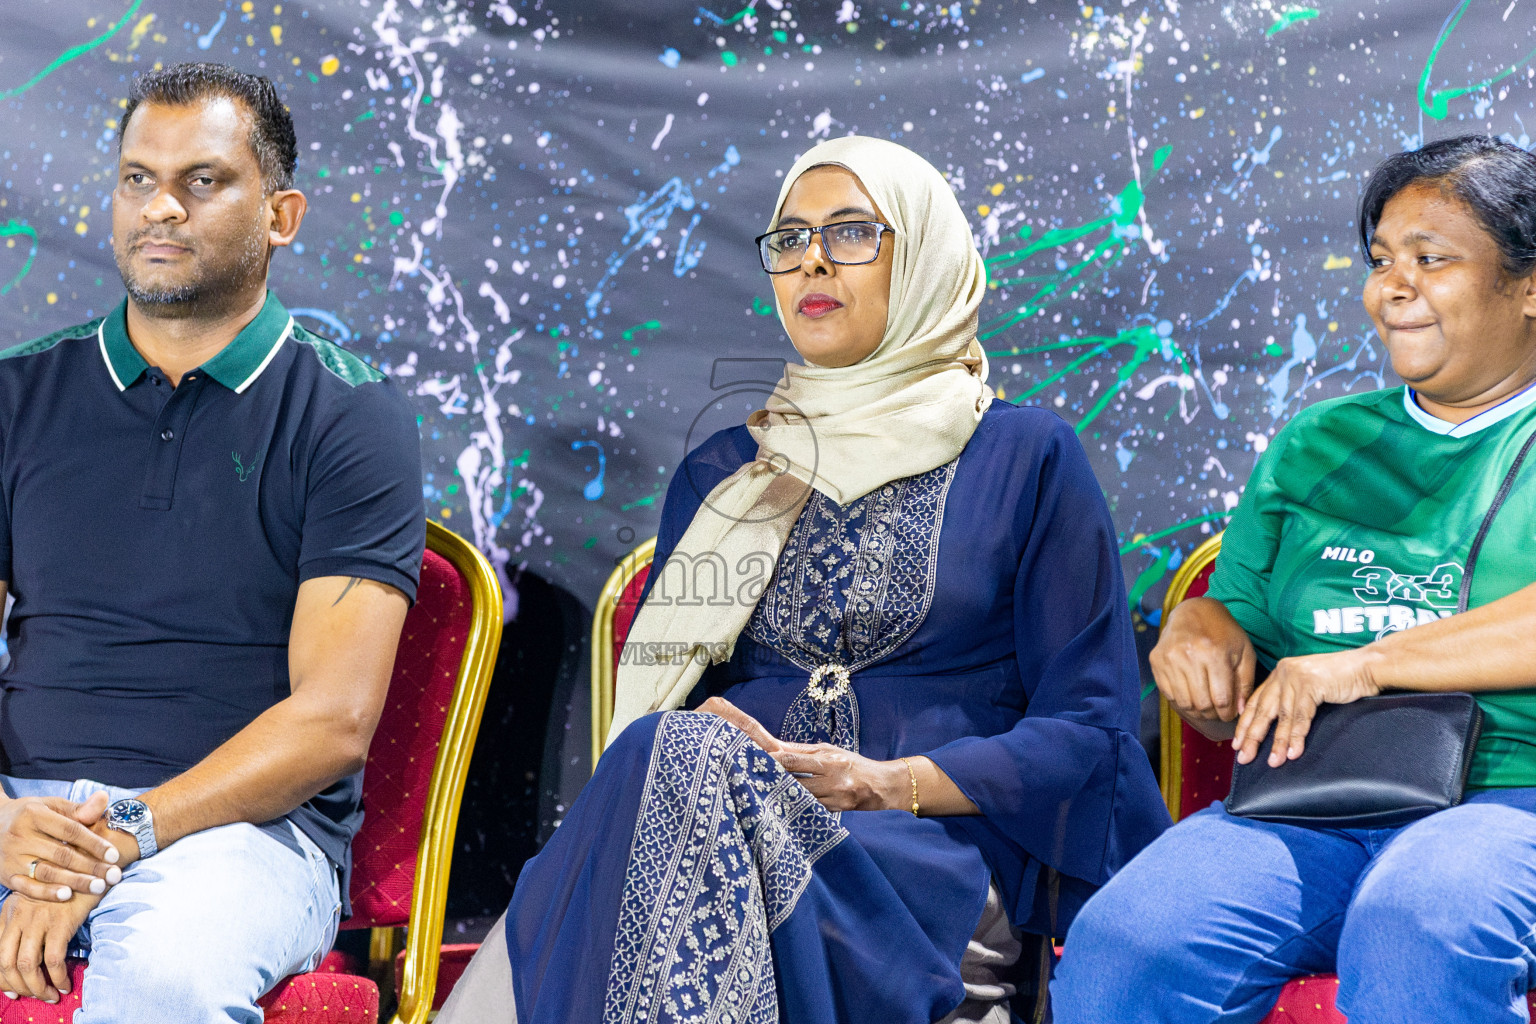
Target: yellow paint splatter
329 66
277 35
357 197
140 31
52 298
247 7
1197 113
447 513
80 228
1333 325
1337 262
997 189
85 211
983 209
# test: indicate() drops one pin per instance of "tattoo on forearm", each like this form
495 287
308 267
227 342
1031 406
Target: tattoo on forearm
354 581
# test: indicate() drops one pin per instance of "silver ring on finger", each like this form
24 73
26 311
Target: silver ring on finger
32 869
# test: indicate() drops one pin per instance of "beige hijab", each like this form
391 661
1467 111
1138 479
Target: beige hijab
909 407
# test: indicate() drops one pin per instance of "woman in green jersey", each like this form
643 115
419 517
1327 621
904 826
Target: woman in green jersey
1338 574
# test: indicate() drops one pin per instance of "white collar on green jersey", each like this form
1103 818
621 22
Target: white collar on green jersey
1487 418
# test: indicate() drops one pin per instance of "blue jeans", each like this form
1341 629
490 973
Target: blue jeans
1432 921
200 931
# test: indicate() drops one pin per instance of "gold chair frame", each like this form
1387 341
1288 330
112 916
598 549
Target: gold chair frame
1171 752
603 670
440 817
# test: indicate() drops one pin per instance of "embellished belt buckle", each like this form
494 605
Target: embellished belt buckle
823 693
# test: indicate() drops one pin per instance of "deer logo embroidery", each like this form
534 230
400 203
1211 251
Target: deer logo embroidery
243 471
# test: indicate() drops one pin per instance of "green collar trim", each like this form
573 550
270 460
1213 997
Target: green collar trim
236 366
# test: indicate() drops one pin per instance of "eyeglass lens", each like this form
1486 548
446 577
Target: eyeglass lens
853 242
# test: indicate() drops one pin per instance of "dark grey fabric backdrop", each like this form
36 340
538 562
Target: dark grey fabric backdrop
538 216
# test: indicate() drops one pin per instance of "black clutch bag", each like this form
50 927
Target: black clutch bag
1375 763
1379 761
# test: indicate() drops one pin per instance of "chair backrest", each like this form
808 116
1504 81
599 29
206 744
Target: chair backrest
420 753
1195 770
616 607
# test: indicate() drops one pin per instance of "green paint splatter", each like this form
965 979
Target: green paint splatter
649 325
1140 541
728 58
1151 574
1143 341
396 218
12 229
738 15
646 501
73 53
760 307
1290 16
367 115
1274 349
591 542
1436 102
1118 236
780 36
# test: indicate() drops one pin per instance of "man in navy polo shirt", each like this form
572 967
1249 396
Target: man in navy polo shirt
211 523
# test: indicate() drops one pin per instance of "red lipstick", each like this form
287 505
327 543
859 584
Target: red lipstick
818 305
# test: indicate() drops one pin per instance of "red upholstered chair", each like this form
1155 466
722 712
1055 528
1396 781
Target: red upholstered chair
411 791
1197 771
616 607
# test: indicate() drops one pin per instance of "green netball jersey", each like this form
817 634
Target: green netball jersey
1357 522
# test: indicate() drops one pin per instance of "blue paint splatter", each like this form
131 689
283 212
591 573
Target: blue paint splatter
648 216
1303 351
205 41
670 57
594 488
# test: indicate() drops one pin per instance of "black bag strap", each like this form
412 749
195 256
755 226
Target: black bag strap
1482 531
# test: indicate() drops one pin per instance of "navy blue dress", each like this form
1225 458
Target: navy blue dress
981 611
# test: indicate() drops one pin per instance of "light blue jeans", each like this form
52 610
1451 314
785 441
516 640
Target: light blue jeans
200 931
1429 922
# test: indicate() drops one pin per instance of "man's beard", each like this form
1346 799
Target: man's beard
208 294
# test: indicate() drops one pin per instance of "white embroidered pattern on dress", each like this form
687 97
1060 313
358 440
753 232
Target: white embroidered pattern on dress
855 582
852 585
722 851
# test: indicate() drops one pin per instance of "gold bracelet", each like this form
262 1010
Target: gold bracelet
913 776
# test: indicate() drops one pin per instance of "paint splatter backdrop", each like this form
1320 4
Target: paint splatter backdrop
538 216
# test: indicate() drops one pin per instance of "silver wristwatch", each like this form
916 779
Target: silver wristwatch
133 816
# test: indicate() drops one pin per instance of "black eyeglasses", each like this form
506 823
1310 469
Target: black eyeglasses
847 243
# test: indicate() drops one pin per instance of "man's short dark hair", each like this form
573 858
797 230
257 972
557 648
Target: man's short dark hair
180 85
1494 178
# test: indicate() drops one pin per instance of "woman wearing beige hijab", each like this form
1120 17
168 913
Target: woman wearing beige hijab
913 753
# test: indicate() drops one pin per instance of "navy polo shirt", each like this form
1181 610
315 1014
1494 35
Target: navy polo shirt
155 538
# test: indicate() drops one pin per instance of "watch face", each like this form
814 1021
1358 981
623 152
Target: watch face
127 813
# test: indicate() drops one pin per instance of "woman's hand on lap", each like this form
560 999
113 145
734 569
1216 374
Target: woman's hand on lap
1204 665
743 721
845 781
1290 696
